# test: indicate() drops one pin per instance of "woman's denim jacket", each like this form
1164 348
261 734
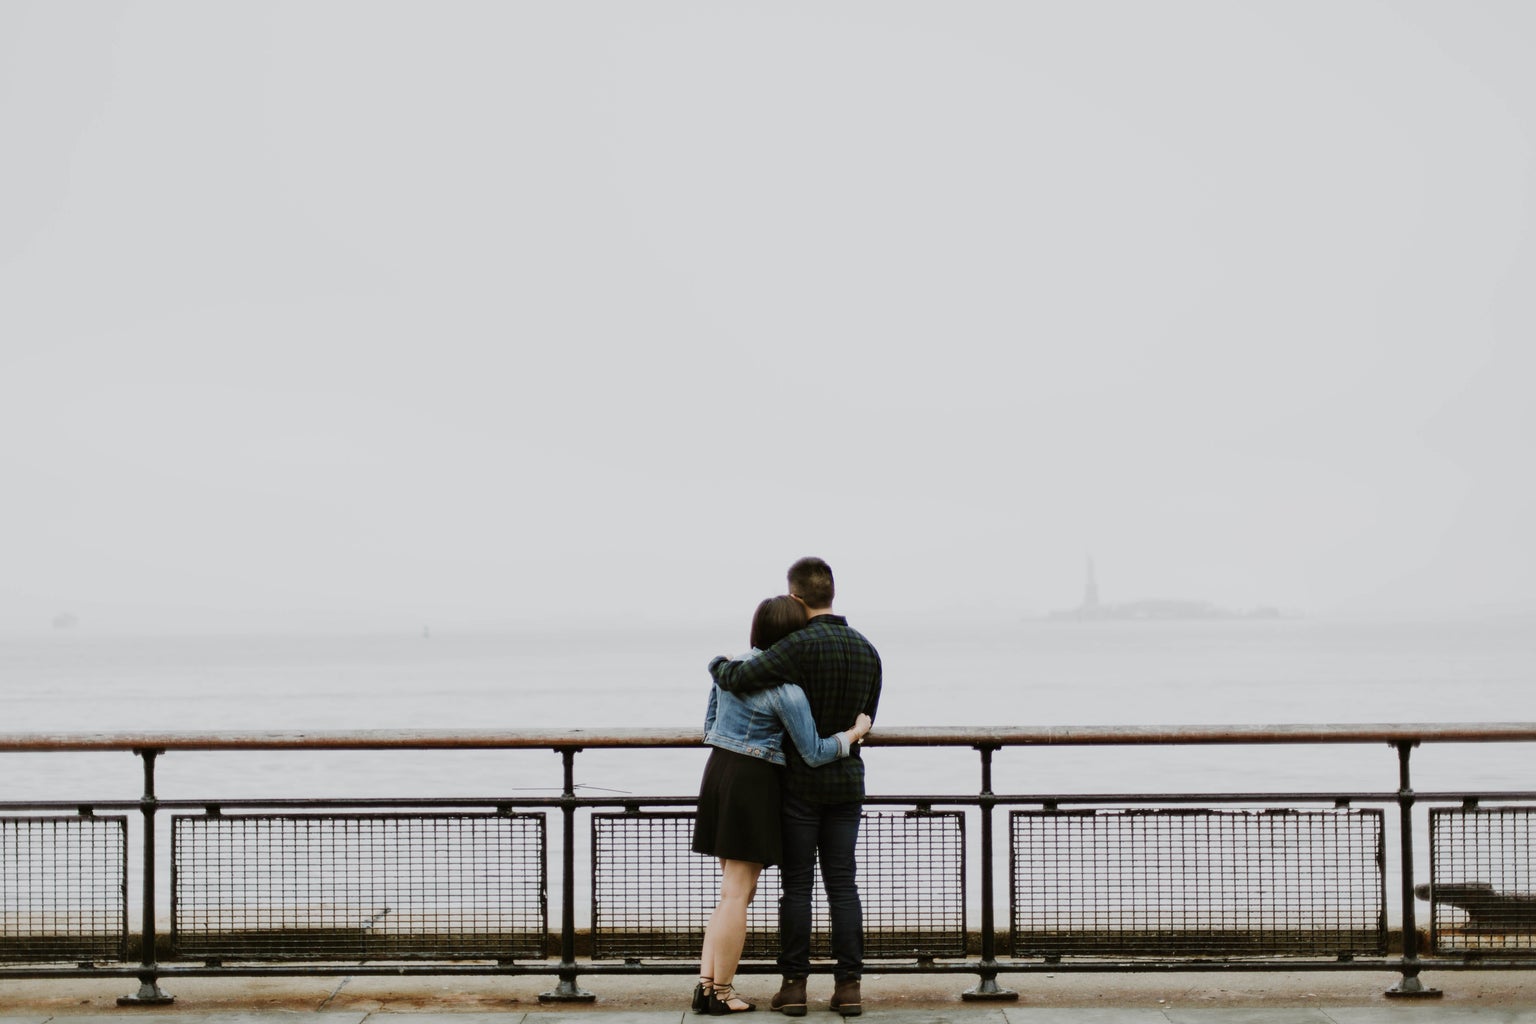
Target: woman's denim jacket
755 723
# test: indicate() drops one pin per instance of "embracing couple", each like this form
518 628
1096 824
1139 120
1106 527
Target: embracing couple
784 786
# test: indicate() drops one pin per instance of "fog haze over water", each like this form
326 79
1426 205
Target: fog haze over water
369 317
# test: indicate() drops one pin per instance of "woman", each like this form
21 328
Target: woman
738 818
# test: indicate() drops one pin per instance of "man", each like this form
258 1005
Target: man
840 673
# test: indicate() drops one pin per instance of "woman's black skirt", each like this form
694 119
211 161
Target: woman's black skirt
739 809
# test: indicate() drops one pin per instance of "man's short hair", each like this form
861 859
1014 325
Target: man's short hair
810 579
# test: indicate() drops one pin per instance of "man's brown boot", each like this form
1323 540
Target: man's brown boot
790 998
845 999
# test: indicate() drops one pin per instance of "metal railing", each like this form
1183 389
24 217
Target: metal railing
1133 881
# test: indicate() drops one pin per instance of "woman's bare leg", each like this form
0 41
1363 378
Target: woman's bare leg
726 933
707 962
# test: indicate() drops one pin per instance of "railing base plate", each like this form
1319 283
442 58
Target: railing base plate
567 992
1412 988
988 991
149 994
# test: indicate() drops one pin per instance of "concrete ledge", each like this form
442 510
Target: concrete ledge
1276 997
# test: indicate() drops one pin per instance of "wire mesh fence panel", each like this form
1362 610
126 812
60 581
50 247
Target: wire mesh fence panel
359 887
912 884
1181 882
63 889
652 896
1482 889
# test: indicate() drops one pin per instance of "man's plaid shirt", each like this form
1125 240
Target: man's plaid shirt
840 673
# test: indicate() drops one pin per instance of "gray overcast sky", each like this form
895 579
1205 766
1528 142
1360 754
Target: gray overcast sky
493 312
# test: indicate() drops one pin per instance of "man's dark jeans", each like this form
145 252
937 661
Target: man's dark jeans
832 832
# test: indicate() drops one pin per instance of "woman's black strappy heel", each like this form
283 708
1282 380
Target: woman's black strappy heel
720 1002
701 995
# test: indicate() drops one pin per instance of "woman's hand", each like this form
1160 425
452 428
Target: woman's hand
861 727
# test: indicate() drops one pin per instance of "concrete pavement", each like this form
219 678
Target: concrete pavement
1506 997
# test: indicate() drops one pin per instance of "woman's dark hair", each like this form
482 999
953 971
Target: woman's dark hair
775 619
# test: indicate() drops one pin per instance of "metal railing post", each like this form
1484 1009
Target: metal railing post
1410 985
149 993
987 988
567 991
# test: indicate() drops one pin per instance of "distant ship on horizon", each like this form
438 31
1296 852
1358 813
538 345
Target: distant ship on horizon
1159 609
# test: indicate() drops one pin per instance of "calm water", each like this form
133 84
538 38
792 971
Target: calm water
1296 671
1030 673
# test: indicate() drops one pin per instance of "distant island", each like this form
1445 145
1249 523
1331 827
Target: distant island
1152 610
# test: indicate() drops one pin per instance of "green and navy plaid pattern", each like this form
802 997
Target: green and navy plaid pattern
840 673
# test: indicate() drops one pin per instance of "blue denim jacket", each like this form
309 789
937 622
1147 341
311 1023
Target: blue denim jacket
755 723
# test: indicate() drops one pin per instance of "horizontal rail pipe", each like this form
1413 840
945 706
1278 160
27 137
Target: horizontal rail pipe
896 736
